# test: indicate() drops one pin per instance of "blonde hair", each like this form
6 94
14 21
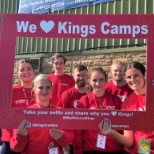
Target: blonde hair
40 77
119 62
54 57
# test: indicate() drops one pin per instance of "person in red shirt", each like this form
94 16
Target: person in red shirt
135 77
69 98
40 141
22 96
86 142
118 85
60 81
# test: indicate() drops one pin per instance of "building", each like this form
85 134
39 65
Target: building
90 52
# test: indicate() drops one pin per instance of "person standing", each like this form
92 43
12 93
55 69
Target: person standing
40 141
60 81
118 85
99 98
22 96
69 98
135 77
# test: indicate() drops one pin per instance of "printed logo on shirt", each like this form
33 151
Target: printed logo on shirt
75 103
22 101
122 97
110 107
107 107
64 84
141 109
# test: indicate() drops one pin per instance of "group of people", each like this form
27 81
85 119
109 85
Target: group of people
126 91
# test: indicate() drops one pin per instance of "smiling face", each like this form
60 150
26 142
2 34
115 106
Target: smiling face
42 90
117 72
98 81
25 72
136 80
80 77
59 65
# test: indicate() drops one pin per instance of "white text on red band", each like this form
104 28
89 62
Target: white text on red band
82 30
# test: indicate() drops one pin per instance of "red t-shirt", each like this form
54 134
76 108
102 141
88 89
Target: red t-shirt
69 98
134 103
122 92
59 85
137 103
86 140
21 97
38 140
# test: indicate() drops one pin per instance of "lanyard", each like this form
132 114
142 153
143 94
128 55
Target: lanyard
102 105
24 92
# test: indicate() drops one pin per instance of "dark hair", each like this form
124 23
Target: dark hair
136 65
80 68
101 70
24 61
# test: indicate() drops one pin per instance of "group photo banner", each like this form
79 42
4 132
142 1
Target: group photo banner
74 26
46 6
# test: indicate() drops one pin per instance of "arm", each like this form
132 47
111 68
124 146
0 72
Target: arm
127 139
18 143
63 138
19 139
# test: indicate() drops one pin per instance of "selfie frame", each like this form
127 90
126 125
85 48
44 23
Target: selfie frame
61 26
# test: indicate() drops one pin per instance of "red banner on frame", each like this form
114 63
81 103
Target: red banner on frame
73 26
